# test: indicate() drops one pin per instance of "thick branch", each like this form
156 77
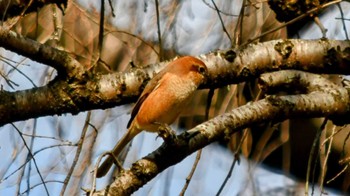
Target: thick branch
293 80
318 56
64 63
98 92
61 96
326 102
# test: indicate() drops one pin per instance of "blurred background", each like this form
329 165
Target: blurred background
274 158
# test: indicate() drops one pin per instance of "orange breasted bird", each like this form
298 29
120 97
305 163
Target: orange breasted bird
162 100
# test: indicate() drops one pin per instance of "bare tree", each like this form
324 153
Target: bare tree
91 60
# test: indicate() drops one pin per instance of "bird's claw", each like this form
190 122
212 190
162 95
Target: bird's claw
165 132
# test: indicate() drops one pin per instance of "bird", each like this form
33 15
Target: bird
160 103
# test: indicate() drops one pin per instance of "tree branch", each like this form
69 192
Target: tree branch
86 91
63 62
328 99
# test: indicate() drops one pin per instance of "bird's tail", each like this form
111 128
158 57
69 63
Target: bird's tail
108 162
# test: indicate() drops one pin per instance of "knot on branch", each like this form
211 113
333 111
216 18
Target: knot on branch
284 48
230 55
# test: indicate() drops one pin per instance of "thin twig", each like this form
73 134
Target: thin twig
159 33
18 70
36 166
336 176
55 36
28 155
112 9
331 136
238 31
292 21
190 175
320 25
343 161
345 141
222 22
324 166
48 181
342 20
52 146
93 185
137 37
46 137
77 154
5 11
224 13
100 33
311 156
90 149
235 159
21 15
35 153
346 19
21 176
12 61
8 81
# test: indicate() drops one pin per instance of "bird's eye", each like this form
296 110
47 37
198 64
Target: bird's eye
201 70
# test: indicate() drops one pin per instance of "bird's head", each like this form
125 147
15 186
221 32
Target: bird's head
190 68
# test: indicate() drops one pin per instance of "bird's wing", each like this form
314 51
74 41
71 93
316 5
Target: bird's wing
153 84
